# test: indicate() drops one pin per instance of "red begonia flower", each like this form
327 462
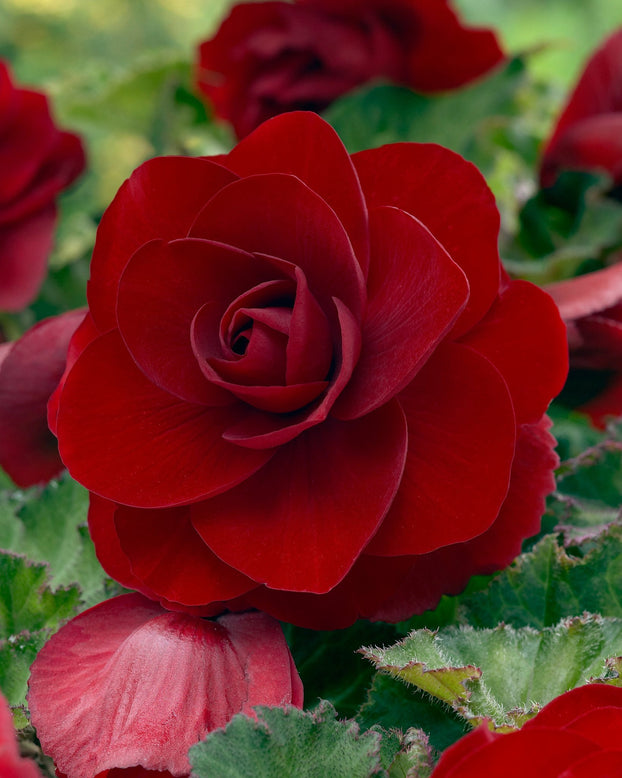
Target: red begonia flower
305 384
271 57
588 134
577 735
591 307
11 764
127 684
37 161
30 369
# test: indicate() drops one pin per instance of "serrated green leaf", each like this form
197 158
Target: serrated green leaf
288 742
49 526
503 674
16 655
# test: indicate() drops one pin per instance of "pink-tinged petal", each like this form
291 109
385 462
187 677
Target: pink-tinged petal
256 430
415 293
588 294
303 144
569 706
525 339
11 763
447 570
604 764
416 177
279 215
29 374
341 478
128 684
607 405
167 555
160 200
461 440
169 452
84 334
540 752
160 292
596 93
24 251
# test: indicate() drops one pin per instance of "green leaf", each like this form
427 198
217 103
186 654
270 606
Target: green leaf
331 667
503 674
49 526
16 656
288 742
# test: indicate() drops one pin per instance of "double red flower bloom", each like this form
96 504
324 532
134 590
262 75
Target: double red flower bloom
305 384
272 57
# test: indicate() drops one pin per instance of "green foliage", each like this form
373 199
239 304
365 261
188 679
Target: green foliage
49 526
503 674
288 742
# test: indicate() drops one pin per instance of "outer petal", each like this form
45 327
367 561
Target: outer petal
169 452
28 376
127 683
24 250
417 178
461 440
160 200
569 706
178 278
604 764
525 339
588 294
448 570
303 144
341 479
539 752
277 214
602 726
167 555
415 293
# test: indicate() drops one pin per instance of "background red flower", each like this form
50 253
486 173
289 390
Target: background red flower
38 161
272 57
308 387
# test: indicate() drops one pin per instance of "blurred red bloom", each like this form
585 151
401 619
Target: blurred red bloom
309 387
127 684
37 161
591 307
588 134
30 369
272 57
11 764
577 735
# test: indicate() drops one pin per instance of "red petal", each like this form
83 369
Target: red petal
259 430
127 683
160 292
415 293
160 451
29 374
279 215
596 93
447 570
11 764
24 250
340 479
450 197
604 764
304 145
544 753
524 338
167 555
461 440
107 545
569 706
160 200
606 405
601 726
